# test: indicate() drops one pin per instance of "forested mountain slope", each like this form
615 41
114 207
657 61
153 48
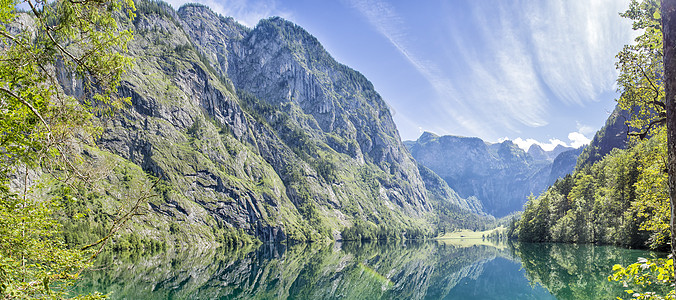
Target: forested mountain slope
617 195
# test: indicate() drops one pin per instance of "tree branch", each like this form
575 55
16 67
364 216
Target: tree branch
657 90
48 31
121 221
642 134
32 109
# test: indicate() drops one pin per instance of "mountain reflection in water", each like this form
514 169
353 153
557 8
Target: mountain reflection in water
378 270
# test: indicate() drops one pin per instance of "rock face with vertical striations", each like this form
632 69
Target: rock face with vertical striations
285 67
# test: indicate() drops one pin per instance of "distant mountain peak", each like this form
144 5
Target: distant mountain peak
558 150
426 137
535 148
560 147
537 153
501 175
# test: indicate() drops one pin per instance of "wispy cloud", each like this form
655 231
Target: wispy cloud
519 60
246 12
506 93
383 17
503 78
584 129
574 45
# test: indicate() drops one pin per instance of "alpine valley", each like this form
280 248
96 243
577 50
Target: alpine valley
259 134
151 152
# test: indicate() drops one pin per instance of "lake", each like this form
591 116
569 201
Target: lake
450 269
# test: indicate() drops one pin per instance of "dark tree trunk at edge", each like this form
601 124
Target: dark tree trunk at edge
669 39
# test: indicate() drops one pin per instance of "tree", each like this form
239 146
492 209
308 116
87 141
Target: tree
43 124
657 45
668 12
641 70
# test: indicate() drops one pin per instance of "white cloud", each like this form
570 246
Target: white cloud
246 12
585 130
503 77
578 139
549 146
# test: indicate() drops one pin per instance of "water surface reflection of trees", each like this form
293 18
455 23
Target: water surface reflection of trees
571 271
411 270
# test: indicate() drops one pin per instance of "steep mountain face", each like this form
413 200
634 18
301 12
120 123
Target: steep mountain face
501 176
260 131
564 164
438 189
282 65
612 135
537 153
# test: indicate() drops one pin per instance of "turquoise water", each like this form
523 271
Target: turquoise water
418 270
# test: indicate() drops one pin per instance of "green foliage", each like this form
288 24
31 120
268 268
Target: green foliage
308 209
641 70
135 245
236 239
654 278
451 217
326 169
620 200
34 261
87 217
193 130
182 49
652 190
40 128
148 7
363 230
535 220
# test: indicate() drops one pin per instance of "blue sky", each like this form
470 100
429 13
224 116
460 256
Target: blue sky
537 71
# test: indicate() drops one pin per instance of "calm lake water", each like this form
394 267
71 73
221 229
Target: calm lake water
451 269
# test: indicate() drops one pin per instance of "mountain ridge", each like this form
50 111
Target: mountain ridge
501 175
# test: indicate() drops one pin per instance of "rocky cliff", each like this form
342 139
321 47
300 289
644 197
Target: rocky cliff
612 135
501 176
261 132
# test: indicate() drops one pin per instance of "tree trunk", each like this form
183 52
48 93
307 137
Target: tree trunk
669 41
